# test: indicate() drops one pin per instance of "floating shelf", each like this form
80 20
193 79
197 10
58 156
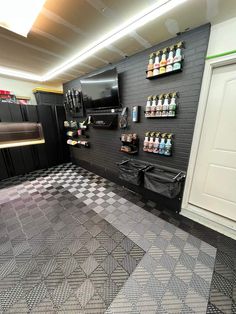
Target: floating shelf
160 117
157 154
80 145
164 74
130 153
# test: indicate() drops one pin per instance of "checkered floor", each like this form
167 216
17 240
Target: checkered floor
73 242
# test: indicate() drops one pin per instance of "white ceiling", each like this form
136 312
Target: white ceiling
66 27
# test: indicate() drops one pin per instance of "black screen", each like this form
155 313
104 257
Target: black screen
101 91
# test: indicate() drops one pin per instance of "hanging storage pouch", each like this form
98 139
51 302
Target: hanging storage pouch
163 182
132 171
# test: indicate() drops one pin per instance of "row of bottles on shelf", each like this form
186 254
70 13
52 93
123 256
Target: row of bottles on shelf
165 60
73 142
75 125
158 143
129 143
161 106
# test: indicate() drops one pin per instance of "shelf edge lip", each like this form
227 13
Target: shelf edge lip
22 143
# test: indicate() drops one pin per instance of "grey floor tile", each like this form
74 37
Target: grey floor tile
71 241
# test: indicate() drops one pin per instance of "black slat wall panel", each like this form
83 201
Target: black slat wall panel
134 90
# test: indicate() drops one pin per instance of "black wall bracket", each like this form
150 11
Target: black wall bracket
104 121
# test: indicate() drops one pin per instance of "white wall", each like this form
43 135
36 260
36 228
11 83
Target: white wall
24 88
222 37
222 40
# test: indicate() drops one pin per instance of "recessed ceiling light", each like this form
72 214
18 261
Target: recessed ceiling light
159 8
18 16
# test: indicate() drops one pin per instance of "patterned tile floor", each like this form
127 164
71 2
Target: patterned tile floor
73 242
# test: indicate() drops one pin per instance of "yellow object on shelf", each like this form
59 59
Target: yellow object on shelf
47 90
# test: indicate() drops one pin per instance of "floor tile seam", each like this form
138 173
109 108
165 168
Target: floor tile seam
158 264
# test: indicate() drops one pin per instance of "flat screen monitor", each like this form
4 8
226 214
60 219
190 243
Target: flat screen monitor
101 91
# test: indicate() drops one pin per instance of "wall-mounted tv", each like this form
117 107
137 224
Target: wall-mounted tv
101 91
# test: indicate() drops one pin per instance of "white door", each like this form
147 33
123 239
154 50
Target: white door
214 180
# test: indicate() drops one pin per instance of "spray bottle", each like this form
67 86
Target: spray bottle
151 143
170 59
168 145
151 61
154 106
162 144
172 106
156 64
148 107
178 57
156 144
159 106
146 142
163 62
165 107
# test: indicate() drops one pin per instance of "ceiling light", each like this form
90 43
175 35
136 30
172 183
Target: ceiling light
159 8
19 74
19 16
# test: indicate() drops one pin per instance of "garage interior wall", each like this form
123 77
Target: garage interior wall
24 88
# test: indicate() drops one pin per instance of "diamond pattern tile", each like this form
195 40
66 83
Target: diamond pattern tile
73 242
35 295
85 292
61 294
89 265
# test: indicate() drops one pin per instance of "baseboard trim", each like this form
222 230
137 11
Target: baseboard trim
220 224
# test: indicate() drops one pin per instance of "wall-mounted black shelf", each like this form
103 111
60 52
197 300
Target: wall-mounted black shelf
164 74
79 145
133 144
158 154
129 153
160 117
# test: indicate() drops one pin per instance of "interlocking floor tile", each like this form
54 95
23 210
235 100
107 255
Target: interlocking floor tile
35 295
11 296
81 237
89 265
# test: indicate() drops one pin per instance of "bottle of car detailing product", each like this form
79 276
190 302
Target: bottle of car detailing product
148 107
156 144
163 62
172 105
170 59
168 145
151 142
135 113
146 142
159 106
162 144
156 63
165 107
151 61
178 57
154 106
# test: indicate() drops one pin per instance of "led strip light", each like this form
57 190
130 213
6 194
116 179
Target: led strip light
151 13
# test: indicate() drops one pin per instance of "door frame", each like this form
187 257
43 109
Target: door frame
214 221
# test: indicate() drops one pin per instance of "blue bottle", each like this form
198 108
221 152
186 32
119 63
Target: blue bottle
168 146
162 145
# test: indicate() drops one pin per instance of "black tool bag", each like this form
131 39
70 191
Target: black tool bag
132 171
164 181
